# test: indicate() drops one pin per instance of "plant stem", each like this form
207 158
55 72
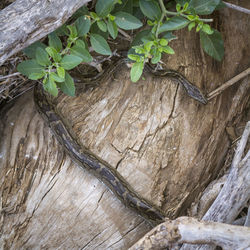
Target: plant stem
181 14
163 14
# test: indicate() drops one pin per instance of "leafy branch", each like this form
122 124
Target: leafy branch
90 29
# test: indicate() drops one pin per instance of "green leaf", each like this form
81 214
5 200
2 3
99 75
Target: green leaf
36 76
207 29
126 21
203 7
83 24
73 31
169 36
50 86
54 54
31 50
191 25
213 44
156 58
163 42
56 77
42 57
28 67
62 31
80 51
182 2
102 26
94 16
95 29
136 71
60 72
112 29
68 86
140 36
150 9
70 61
198 27
55 42
174 23
134 57
178 7
127 6
168 50
80 43
104 7
99 44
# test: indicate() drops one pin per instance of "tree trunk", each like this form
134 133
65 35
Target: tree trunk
166 145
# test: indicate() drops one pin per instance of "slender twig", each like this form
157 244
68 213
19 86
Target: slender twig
10 75
163 14
127 36
228 84
236 7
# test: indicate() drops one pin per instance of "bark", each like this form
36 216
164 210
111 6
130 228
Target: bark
26 21
186 229
167 146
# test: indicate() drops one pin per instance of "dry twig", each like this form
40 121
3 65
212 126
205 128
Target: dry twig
227 84
236 7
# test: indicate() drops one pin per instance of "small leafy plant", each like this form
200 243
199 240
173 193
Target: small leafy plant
70 44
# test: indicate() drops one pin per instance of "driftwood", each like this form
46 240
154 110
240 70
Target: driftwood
235 193
26 21
186 229
167 146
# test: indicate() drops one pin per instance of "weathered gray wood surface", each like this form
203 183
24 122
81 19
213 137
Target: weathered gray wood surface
166 145
26 21
187 229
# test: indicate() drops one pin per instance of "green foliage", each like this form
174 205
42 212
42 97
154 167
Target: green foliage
126 21
150 9
52 62
203 7
174 23
99 44
212 44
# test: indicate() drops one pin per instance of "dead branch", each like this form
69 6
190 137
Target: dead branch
236 191
186 229
236 7
24 22
227 84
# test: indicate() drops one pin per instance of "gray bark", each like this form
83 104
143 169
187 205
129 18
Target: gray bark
26 21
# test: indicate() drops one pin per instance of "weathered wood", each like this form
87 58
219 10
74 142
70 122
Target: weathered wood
232 198
46 200
190 230
26 21
235 193
167 146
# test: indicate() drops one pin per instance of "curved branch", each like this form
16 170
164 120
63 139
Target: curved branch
190 230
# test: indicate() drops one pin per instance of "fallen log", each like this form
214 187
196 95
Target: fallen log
24 22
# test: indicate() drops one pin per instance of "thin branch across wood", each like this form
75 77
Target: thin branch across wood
236 7
227 84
